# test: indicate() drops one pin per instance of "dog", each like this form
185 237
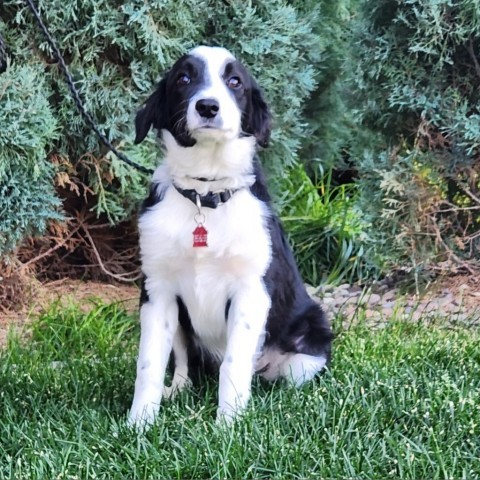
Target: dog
221 288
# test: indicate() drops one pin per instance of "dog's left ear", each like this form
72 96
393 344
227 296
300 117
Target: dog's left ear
153 113
260 121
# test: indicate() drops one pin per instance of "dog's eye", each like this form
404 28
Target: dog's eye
234 82
183 79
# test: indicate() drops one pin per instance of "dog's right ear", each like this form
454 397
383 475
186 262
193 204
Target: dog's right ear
153 112
260 117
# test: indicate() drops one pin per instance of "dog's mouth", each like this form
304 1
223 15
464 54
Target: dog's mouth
210 130
209 125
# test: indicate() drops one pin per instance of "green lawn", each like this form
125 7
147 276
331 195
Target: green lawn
400 402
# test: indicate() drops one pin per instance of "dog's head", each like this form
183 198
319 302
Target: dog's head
207 96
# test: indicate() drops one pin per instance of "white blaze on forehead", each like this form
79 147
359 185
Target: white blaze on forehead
228 119
215 59
214 55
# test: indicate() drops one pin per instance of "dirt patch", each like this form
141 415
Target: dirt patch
39 296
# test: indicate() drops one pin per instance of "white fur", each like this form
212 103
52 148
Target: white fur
228 120
232 266
180 377
224 161
296 368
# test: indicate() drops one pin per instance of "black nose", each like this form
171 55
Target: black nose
207 107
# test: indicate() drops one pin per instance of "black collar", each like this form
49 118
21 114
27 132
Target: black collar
210 200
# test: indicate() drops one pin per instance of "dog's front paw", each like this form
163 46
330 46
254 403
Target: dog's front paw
224 417
142 416
228 413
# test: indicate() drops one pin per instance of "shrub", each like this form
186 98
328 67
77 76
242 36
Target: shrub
116 53
325 228
28 199
416 74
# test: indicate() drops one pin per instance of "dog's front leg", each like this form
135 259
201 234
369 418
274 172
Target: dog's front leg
159 322
246 324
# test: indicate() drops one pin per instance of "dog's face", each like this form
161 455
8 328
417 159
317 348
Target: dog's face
207 96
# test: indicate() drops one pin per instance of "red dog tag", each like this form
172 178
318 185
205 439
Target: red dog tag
200 236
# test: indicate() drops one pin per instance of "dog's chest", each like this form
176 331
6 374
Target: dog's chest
205 277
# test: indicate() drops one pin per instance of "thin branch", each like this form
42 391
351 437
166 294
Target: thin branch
452 255
459 209
120 277
469 193
50 250
471 51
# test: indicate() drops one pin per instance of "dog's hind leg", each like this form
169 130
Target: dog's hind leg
180 375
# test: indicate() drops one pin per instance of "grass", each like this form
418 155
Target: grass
400 402
324 228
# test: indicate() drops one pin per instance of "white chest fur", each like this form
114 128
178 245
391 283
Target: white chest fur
204 277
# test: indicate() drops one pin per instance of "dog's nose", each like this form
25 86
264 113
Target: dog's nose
207 107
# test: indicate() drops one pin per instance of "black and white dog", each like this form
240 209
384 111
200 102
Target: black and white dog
221 285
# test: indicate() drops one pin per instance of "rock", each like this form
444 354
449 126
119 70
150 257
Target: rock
354 293
387 312
328 301
390 304
328 288
447 298
452 308
356 289
340 293
349 311
373 299
431 306
351 300
416 315
382 288
389 296
370 314
312 291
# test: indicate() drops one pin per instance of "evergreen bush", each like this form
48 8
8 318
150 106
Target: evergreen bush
416 76
28 125
116 53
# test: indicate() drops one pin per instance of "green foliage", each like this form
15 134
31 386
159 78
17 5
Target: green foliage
320 215
28 201
387 89
416 80
329 126
116 53
325 228
399 402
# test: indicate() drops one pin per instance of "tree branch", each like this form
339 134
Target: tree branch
471 51
121 277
